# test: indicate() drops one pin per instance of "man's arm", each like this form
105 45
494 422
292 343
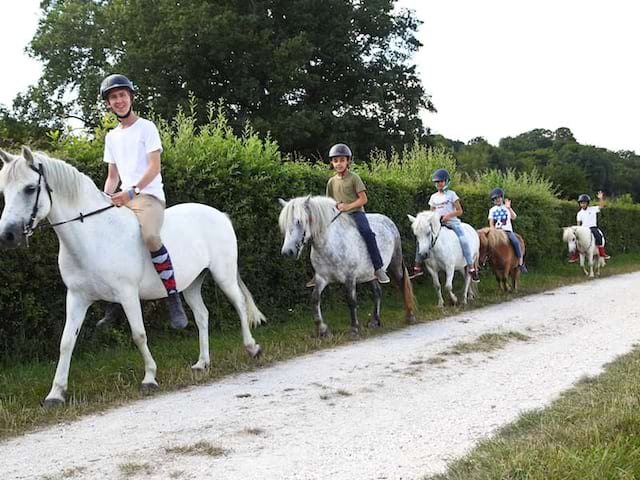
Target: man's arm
113 178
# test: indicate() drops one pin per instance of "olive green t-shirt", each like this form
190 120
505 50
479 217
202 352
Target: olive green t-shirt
345 189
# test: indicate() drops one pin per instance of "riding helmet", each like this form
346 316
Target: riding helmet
340 150
115 81
440 175
584 198
496 192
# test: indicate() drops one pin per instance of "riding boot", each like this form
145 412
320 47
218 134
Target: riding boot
417 271
475 277
176 311
382 276
602 253
574 257
111 312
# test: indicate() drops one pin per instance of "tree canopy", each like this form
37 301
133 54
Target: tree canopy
310 73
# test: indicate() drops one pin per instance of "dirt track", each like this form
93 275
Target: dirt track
376 409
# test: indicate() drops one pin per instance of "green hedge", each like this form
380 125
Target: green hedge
244 176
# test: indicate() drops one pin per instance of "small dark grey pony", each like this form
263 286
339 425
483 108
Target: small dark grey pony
339 254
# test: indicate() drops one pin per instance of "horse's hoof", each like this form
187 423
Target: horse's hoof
411 318
149 388
51 403
355 333
374 324
256 352
324 332
200 367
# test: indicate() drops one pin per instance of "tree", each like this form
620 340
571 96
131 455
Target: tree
311 73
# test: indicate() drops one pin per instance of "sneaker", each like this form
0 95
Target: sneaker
176 311
417 271
523 268
573 258
382 276
311 283
474 275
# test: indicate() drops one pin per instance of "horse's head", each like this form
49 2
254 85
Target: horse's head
426 227
27 197
569 236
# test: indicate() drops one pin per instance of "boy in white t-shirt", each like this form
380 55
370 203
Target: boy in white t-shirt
447 203
500 216
132 150
588 217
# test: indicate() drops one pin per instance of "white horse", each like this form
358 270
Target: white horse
339 254
581 239
102 256
440 249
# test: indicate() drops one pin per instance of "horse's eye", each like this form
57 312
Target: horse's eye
30 189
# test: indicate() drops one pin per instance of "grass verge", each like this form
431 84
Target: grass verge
104 379
592 432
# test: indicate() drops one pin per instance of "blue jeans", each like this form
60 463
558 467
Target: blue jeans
456 225
369 238
514 242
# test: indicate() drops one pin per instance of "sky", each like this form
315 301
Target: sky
494 68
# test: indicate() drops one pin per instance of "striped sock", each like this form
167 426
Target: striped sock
162 263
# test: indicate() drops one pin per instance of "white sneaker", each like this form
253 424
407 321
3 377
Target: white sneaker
381 275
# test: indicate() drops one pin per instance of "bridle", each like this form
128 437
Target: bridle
29 229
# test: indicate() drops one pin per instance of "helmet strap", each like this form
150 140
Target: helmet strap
126 115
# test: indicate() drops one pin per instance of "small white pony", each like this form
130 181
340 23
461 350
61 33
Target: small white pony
102 256
440 249
581 239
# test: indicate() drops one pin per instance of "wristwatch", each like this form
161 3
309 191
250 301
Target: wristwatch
136 190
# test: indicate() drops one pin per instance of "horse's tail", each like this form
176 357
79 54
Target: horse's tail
254 315
400 276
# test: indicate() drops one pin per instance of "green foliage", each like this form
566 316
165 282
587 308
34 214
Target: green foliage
244 175
311 73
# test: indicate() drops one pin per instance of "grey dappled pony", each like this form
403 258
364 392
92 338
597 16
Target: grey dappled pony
339 254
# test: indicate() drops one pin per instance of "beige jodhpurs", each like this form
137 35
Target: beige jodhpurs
150 213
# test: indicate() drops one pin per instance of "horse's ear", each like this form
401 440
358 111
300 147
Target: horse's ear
307 201
27 155
282 202
412 219
6 157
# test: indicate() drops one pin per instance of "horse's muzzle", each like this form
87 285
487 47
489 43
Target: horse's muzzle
12 236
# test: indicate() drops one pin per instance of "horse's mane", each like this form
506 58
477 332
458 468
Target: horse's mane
64 179
581 234
494 237
314 213
424 220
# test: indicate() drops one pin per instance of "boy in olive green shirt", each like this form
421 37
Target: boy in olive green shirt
350 192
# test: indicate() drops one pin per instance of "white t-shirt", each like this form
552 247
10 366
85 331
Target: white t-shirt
128 148
501 217
443 202
588 217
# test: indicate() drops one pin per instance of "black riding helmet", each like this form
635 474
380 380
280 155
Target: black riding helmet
584 198
496 192
340 150
440 175
115 81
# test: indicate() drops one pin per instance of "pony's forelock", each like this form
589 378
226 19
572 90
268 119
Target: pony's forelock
315 214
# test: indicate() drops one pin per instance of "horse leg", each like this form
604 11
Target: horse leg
133 312
77 305
591 266
321 327
350 290
465 291
436 284
448 285
231 286
193 296
375 316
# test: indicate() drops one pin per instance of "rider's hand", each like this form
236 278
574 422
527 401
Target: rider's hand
507 202
600 195
342 206
119 199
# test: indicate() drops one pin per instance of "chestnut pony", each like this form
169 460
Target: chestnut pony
496 248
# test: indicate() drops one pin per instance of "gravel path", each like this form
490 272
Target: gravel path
376 409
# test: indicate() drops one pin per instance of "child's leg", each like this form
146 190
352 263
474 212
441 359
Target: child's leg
597 234
516 245
466 251
369 238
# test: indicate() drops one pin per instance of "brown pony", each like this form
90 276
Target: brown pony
496 248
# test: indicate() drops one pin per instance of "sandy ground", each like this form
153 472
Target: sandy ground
376 409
